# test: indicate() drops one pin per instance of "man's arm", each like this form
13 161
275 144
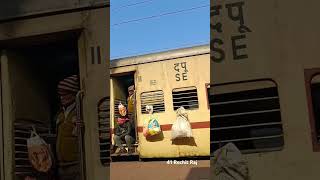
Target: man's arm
134 97
117 131
129 129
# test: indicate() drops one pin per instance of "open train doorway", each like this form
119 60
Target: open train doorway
34 70
123 92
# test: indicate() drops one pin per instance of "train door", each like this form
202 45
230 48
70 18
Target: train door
30 75
121 83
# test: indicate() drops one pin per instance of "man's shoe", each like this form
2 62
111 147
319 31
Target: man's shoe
122 151
130 150
113 149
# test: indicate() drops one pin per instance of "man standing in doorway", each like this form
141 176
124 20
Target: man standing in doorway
68 154
131 100
132 106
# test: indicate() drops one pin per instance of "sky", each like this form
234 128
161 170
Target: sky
145 26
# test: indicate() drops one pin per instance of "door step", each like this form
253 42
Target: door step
124 154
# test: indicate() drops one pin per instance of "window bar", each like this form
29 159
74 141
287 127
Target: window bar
244 100
244 126
190 97
179 102
245 113
184 93
248 139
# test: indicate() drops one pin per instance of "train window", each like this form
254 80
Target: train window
315 93
312 80
186 97
246 114
315 96
154 98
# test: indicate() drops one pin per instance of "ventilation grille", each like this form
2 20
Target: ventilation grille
104 130
188 98
155 98
250 119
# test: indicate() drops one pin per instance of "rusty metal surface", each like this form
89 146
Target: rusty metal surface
17 8
160 170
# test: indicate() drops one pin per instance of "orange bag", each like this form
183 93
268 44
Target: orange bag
39 153
122 110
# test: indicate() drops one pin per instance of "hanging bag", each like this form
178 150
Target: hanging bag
122 109
151 126
39 153
181 127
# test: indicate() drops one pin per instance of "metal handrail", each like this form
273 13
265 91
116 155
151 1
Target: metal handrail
79 127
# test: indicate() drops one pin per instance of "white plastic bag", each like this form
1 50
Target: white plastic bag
39 153
182 127
229 164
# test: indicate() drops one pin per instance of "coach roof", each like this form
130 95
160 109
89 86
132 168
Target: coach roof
161 56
